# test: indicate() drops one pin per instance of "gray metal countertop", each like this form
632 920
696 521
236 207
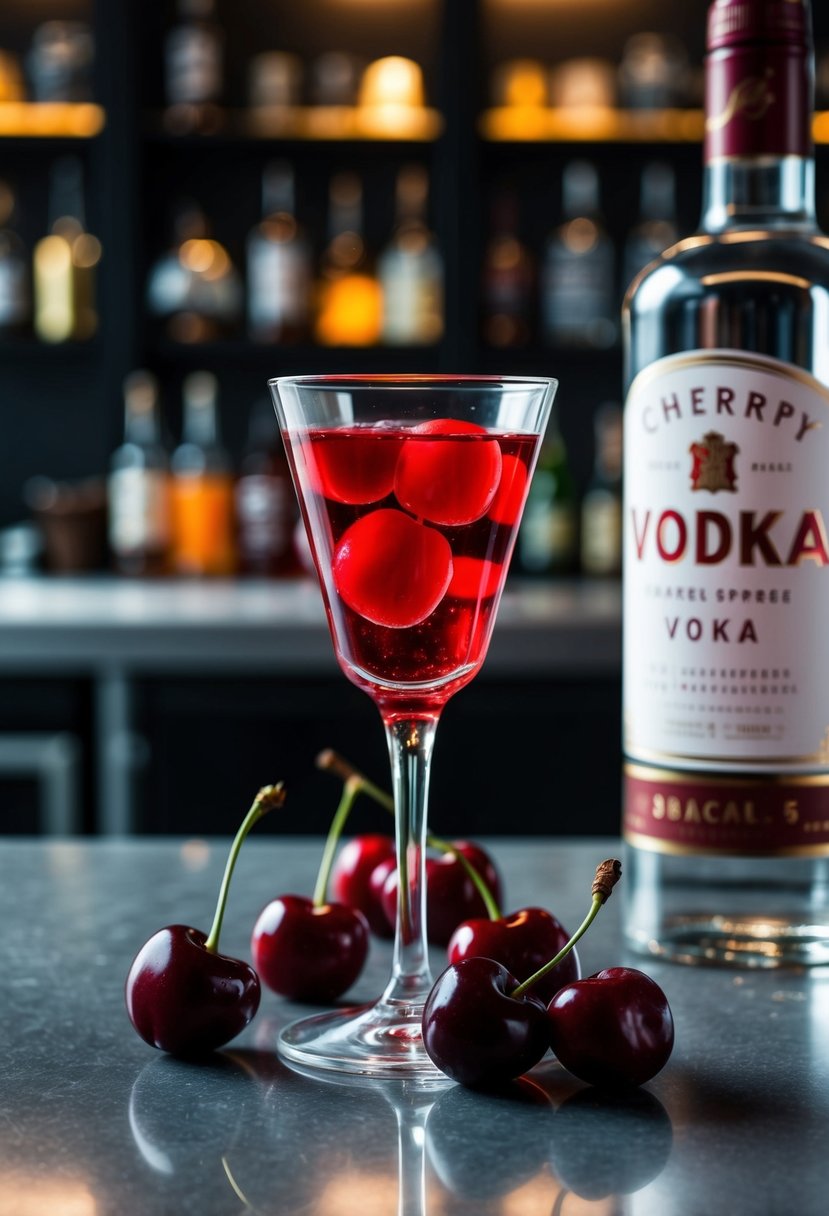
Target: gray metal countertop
74 624
93 1122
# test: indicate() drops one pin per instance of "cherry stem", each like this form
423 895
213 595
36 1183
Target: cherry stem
353 787
608 874
331 761
268 799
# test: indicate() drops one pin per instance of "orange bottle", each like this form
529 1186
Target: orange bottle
202 487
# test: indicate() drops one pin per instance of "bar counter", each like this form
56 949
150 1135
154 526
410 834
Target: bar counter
93 1122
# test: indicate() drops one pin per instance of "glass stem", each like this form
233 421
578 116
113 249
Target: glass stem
410 740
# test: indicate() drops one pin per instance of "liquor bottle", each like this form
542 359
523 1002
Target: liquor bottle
600 534
410 268
548 535
349 299
726 683
507 279
194 289
15 279
656 229
266 505
203 523
579 303
65 262
138 488
194 69
279 264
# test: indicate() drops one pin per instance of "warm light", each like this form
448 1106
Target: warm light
359 1194
86 251
24 1195
521 82
204 257
351 312
580 235
393 81
49 119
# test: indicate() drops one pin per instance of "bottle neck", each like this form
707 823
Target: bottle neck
759 192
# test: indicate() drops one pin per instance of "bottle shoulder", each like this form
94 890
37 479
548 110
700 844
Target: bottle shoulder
703 262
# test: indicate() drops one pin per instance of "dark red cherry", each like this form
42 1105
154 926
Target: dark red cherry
451 896
614 1029
379 921
309 952
182 995
452 477
522 942
512 489
185 999
351 877
392 570
355 464
478 1034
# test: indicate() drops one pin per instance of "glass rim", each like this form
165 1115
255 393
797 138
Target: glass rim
415 380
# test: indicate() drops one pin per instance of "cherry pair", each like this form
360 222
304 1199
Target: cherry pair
483 1027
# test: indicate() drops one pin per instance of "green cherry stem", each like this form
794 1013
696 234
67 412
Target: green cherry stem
608 874
352 788
269 798
332 762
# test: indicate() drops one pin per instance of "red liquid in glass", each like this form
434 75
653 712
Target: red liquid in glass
413 528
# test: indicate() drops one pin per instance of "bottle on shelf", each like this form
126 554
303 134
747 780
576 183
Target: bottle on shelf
15 278
548 535
410 268
138 488
725 593
266 504
194 289
278 264
65 261
656 228
600 534
202 486
349 308
507 279
194 69
579 300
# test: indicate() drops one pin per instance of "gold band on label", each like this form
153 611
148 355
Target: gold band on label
655 844
672 776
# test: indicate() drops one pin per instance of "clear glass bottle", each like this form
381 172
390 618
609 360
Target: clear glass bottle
194 69
15 279
579 301
266 504
202 486
410 268
726 686
65 261
349 299
656 229
279 264
193 288
507 279
600 534
547 544
138 488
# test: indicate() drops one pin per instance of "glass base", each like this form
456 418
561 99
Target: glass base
737 941
380 1040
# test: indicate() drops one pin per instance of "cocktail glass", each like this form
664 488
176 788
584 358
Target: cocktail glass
411 489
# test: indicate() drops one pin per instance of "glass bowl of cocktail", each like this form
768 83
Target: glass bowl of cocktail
411 490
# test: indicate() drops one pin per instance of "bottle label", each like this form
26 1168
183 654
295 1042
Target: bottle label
139 511
601 533
726 592
757 102
278 284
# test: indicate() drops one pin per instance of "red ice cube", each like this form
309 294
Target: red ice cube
354 465
392 570
450 479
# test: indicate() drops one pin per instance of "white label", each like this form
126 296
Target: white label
726 564
138 510
278 284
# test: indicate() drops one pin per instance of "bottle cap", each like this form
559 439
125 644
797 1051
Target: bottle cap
736 22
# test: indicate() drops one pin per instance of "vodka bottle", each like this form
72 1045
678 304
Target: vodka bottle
726 585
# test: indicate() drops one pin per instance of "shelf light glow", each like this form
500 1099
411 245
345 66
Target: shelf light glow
51 119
